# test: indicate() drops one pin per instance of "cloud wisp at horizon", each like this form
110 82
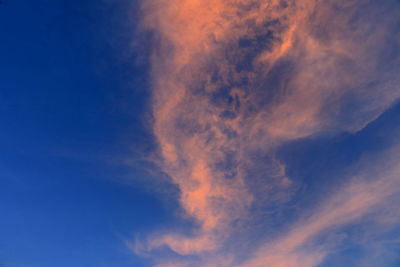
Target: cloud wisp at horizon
234 81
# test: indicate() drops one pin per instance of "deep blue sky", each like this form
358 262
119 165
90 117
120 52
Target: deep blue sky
69 95
76 182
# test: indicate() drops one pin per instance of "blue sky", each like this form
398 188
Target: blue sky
70 100
199 133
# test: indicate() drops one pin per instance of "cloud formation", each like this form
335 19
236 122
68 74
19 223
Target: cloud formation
235 80
363 195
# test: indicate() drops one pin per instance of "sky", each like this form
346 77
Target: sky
199 133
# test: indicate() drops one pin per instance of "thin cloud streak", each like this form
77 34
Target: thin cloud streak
235 79
366 193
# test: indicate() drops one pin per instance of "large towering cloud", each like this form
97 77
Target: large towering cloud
233 81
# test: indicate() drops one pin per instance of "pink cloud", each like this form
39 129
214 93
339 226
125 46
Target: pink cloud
214 100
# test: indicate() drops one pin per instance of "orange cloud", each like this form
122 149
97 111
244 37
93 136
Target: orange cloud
234 77
365 193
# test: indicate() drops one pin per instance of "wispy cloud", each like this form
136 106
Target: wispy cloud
233 81
359 200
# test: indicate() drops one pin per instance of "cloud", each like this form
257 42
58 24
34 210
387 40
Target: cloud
359 200
235 80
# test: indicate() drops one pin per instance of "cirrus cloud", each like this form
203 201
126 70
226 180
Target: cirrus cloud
232 82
